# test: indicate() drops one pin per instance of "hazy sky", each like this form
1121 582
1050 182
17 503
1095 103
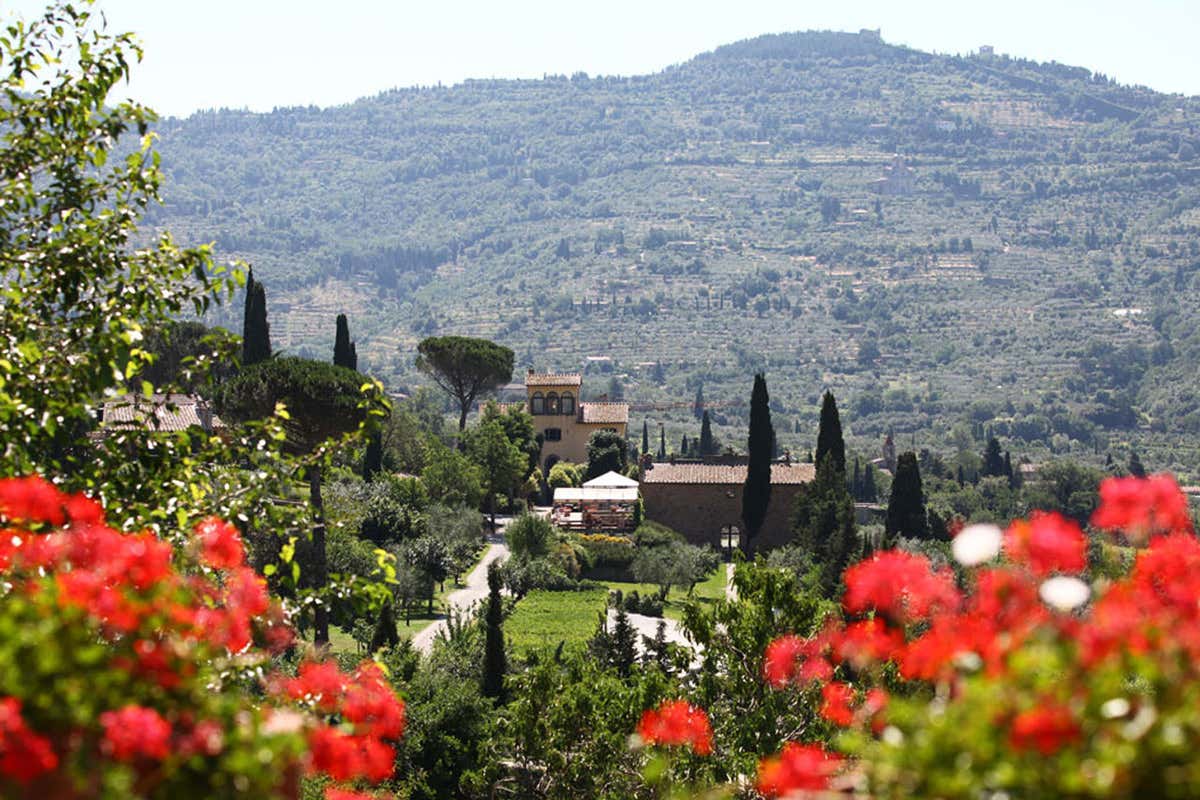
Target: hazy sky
264 53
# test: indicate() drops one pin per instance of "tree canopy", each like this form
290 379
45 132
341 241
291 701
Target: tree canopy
464 368
756 493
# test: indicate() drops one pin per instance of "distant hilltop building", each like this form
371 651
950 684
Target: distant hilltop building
874 34
987 50
564 422
898 178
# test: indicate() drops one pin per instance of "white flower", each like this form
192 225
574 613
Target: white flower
976 544
1064 593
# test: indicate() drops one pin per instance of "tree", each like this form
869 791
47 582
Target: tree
708 447
344 353
464 368
451 478
1135 465
429 557
373 457
906 507
698 405
607 452
323 401
495 662
993 458
756 493
385 634
824 525
829 435
529 536
500 462
256 333
645 438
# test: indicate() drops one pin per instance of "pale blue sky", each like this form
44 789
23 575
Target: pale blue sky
264 53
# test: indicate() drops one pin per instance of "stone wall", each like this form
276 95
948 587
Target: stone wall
575 434
699 511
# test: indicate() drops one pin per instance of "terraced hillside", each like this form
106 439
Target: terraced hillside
1029 263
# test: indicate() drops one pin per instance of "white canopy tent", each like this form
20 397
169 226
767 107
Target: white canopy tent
611 480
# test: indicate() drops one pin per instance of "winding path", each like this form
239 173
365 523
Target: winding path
474 591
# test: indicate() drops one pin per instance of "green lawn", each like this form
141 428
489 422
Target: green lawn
710 589
543 618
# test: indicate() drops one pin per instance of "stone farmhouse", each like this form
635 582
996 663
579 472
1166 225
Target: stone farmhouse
704 501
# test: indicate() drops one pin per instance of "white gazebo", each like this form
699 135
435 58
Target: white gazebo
603 503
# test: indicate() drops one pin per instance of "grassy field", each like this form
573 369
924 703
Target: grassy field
712 588
543 619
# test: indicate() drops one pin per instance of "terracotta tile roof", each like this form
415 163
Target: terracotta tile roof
725 474
133 411
553 379
604 412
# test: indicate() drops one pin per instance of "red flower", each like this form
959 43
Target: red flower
1048 542
344 757
797 767
371 704
31 500
677 722
83 510
900 585
221 544
868 641
1045 729
321 682
334 793
791 659
134 732
835 705
24 755
1142 507
1168 570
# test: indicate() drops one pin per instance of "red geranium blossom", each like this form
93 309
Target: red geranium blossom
868 641
791 659
24 755
135 732
1142 507
1047 543
901 585
31 500
677 722
797 767
1044 729
835 703
221 544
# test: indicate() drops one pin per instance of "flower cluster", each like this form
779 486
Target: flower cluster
370 711
168 639
1022 616
677 722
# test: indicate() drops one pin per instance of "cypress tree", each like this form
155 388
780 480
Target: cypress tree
993 458
906 507
756 494
824 524
343 349
870 492
624 643
256 333
1135 466
385 634
706 438
645 438
698 406
373 458
495 662
829 435
856 487
662 444
683 448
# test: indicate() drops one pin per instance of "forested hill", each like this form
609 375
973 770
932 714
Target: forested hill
1031 264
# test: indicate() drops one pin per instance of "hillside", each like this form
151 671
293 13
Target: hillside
1030 264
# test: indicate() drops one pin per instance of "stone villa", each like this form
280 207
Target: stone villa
565 422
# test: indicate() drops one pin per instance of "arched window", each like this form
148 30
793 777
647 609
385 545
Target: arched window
537 404
568 403
552 406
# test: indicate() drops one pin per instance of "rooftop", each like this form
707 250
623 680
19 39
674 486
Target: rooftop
553 379
604 412
176 412
724 474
